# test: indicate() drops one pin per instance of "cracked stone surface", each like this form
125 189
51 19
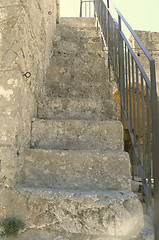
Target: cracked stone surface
109 213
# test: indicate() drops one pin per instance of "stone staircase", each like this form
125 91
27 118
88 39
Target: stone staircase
76 177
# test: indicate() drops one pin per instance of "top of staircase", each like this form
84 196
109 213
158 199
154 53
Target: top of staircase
75 21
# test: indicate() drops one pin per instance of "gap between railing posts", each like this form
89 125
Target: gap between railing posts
138 99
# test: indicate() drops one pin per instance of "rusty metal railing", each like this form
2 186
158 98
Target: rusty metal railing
138 98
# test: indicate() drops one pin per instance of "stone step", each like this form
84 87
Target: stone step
90 44
77 135
108 213
64 30
83 73
77 108
59 84
84 62
82 170
65 50
79 22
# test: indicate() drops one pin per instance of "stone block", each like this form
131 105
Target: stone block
17 106
9 168
77 108
84 170
77 89
88 63
106 214
77 135
75 21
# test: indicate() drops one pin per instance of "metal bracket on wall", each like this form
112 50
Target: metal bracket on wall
27 74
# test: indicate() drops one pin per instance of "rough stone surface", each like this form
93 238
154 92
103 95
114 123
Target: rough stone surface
77 135
9 167
77 108
151 42
77 89
108 213
77 169
18 106
27 37
26 32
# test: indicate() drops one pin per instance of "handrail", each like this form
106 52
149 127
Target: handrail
87 12
138 98
148 55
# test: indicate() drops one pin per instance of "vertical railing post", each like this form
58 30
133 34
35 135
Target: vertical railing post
108 38
121 70
155 142
81 9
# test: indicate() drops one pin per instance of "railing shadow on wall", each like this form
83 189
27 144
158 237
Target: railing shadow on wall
138 96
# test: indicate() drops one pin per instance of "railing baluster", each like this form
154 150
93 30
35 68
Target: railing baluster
155 140
148 140
138 116
130 99
126 80
143 127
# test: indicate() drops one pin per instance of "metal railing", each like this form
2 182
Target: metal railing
138 98
87 8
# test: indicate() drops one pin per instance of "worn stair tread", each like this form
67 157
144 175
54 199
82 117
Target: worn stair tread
77 108
76 21
92 66
77 134
104 213
89 44
68 30
83 62
76 77
74 169
64 50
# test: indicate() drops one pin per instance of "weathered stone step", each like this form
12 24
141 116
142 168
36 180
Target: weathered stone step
80 75
108 214
75 21
83 170
57 86
77 134
65 50
64 30
77 108
85 62
85 44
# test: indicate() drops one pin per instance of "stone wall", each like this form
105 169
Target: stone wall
151 42
26 33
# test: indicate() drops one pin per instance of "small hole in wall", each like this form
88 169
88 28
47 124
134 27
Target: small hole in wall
138 54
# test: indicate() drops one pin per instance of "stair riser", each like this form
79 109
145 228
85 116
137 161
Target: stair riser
86 109
76 77
91 45
77 135
77 169
85 63
80 32
64 90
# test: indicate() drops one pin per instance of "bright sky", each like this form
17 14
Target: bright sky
140 14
